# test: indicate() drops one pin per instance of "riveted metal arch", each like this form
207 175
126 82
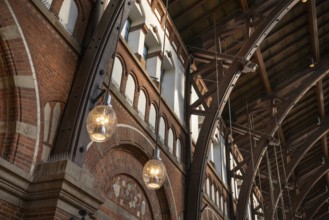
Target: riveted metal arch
313 179
73 137
307 145
311 79
225 87
316 207
324 216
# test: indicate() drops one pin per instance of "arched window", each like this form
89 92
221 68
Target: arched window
130 89
141 104
221 202
212 192
171 140
162 129
152 117
68 15
117 72
208 186
217 198
178 150
211 152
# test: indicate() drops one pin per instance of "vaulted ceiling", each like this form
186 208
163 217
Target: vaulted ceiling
281 107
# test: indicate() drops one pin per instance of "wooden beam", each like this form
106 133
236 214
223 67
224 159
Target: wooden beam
313 29
313 26
244 5
262 71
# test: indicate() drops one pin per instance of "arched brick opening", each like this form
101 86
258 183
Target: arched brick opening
8 111
19 117
126 155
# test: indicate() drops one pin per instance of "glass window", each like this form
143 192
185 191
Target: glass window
162 129
141 104
212 192
152 118
145 52
178 150
208 186
130 89
126 29
117 73
171 140
68 15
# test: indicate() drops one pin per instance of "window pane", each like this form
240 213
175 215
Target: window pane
141 104
130 89
145 52
68 15
171 140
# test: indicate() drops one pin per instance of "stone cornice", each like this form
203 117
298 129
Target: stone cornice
59 183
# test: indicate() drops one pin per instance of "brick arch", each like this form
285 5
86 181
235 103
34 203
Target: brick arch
125 81
131 144
166 127
22 95
81 21
115 188
123 75
8 110
174 143
147 95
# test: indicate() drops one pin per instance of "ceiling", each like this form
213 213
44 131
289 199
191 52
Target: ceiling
284 92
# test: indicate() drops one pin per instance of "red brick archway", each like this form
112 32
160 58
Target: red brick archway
126 155
20 115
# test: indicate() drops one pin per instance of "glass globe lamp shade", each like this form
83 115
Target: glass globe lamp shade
101 123
154 174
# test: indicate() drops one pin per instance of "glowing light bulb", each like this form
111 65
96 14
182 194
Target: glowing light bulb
154 174
101 123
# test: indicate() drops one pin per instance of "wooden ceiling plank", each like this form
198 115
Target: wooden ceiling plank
313 210
205 16
316 176
188 10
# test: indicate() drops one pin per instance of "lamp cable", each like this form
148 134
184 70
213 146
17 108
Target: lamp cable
160 83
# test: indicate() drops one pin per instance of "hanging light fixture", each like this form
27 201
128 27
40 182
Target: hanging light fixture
101 123
312 63
154 171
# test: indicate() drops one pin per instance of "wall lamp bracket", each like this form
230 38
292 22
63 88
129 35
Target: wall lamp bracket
102 92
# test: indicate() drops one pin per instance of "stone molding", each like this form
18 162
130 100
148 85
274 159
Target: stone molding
59 183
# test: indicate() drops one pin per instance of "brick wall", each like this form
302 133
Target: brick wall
52 60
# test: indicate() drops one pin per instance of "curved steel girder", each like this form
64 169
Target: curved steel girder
307 145
316 206
295 94
298 92
324 216
226 86
73 136
313 179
